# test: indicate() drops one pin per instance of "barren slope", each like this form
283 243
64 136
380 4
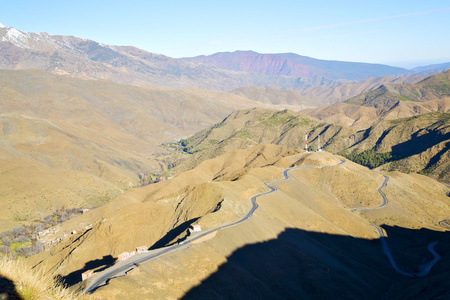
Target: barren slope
302 237
102 133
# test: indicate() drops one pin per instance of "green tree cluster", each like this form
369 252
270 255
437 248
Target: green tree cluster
369 158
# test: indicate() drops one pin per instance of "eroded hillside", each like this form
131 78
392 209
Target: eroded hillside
67 142
411 137
300 238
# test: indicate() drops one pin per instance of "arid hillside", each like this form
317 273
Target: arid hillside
431 88
318 96
301 237
245 128
411 144
388 101
67 142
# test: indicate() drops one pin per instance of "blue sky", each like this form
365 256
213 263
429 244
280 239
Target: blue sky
401 33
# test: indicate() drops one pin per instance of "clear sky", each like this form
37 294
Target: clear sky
401 33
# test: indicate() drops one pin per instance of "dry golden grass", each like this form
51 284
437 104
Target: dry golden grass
19 281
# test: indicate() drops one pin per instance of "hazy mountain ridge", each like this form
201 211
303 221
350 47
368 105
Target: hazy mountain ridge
431 88
291 64
88 59
125 64
319 95
439 67
388 101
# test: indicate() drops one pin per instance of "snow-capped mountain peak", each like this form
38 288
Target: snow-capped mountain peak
2 26
17 37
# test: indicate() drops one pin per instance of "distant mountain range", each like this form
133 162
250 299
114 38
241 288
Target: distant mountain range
291 64
68 55
83 58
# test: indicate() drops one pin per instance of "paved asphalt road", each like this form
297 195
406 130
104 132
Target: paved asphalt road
386 250
121 268
383 196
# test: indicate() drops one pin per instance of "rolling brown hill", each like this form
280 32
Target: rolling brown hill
388 101
72 142
97 128
362 117
302 237
413 144
242 129
317 96
431 88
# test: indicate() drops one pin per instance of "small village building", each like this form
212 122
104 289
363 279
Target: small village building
87 274
123 256
141 249
194 228
85 210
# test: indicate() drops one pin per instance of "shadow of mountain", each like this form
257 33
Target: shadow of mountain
8 289
435 159
97 264
418 144
172 234
311 265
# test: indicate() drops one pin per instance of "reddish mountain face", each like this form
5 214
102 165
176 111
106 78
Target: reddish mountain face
290 64
270 64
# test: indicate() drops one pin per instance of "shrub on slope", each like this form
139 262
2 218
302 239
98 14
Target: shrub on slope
18 281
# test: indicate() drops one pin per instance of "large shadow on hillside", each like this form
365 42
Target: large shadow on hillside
97 264
418 144
311 265
169 238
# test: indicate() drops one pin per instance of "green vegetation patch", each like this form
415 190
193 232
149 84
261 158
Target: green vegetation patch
398 121
369 158
439 116
403 98
318 126
279 118
243 133
16 245
441 90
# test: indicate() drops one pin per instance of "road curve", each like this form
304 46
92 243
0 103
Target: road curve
387 251
383 196
122 268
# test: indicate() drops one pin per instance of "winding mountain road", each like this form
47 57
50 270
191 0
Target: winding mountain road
386 250
121 268
383 196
